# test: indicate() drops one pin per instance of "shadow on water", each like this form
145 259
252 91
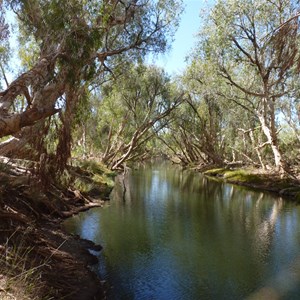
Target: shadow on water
177 235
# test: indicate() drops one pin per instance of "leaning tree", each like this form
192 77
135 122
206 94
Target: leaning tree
255 45
77 43
135 109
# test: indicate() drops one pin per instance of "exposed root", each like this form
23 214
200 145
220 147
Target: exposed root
16 217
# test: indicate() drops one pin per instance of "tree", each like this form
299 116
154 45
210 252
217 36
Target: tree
207 128
78 42
132 110
255 45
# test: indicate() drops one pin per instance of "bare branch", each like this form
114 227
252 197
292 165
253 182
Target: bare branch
224 73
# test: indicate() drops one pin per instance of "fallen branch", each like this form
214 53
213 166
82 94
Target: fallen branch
79 209
13 216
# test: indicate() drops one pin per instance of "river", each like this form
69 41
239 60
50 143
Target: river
174 234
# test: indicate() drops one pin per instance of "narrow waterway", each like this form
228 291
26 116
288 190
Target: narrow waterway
173 234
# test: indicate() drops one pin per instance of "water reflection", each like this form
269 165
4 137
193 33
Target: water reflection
176 235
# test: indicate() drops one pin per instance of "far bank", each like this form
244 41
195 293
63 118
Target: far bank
259 180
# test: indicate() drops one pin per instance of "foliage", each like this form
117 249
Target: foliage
84 90
130 111
91 178
68 50
241 77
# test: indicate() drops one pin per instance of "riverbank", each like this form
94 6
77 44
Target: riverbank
38 259
259 180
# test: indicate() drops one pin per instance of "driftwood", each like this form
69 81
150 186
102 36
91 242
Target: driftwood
80 209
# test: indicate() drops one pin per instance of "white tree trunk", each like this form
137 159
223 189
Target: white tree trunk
271 135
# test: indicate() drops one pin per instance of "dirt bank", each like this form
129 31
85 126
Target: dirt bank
38 259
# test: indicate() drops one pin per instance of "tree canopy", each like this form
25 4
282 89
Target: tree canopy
84 88
246 62
75 47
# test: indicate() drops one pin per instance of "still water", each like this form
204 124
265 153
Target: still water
173 234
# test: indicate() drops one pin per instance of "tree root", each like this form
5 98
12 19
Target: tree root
15 216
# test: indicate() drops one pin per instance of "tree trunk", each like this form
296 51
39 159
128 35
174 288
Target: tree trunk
251 135
271 135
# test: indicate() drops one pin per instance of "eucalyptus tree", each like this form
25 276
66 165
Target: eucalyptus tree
192 136
255 46
206 110
226 133
133 109
77 44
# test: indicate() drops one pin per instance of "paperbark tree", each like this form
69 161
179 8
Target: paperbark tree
133 110
78 42
255 45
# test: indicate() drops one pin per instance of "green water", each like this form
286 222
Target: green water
173 234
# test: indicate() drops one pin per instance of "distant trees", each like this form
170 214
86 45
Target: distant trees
195 134
131 111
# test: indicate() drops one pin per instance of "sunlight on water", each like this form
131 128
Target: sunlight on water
177 235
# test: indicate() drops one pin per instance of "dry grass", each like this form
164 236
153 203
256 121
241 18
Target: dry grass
34 251
18 280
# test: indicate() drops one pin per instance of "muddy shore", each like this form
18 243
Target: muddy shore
38 259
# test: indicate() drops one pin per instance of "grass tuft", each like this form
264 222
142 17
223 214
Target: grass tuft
18 280
95 167
219 172
243 176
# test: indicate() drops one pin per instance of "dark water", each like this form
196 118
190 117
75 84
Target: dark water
176 235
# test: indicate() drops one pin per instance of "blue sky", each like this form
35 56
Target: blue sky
185 38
